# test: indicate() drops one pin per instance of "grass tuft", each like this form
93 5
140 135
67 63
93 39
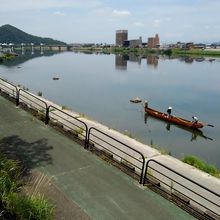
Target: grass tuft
15 204
201 165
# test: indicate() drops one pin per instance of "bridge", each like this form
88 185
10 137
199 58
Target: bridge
32 47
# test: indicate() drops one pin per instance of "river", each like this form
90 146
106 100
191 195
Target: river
100 86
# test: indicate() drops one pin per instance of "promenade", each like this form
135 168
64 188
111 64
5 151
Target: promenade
99 190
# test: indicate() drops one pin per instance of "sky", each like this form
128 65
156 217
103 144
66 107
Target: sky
95 21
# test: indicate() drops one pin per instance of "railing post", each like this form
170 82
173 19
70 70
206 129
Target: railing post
142 179
87 140
17 96
145 172
47 118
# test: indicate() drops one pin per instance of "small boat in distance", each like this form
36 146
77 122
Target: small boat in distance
173 119
56 78
135 100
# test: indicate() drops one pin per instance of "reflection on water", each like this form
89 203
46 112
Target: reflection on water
24 56
152 61
168 126
122 60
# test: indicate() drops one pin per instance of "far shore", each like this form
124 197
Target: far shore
157 51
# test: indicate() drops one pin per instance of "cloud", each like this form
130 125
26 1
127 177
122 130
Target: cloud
121 13
22 5
139 24
188 26
156 22
59 13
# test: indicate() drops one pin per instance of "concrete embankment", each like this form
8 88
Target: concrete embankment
202 189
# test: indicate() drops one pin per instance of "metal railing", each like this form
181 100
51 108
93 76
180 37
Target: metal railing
33 102
68 122
120 152
196 196
9 88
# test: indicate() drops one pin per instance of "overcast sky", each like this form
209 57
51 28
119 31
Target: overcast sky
95 21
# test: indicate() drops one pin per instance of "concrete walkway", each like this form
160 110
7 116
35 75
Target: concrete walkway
100 190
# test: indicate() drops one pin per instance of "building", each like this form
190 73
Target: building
153 42
121 36
136 43
133 43
189 45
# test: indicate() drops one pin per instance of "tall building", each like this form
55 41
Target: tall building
153 42
121 36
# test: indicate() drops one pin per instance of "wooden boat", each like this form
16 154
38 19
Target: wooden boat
195 132
211 60
173 119
135 100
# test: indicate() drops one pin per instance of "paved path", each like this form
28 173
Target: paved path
100 190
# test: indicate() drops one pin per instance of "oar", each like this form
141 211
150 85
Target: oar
210 125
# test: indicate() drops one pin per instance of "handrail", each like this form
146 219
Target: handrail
34 96
16 89
65 113
142 156
184 177
110 151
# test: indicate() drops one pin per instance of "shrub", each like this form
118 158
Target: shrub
15 204
39 93
29 207
200 164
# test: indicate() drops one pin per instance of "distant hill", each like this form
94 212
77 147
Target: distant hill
11 34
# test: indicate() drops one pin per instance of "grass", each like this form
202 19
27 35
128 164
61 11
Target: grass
79 131
14 204
202 165
39 93
29 207
128 133
64 107
160 149
196 52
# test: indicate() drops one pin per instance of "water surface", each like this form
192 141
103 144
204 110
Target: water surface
101 86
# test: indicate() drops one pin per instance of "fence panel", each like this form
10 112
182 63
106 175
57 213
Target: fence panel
197 196
118 151
69 123
8 88
34 103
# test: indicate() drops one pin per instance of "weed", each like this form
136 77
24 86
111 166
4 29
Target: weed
14 203
79 131
201 165
128 133
39 93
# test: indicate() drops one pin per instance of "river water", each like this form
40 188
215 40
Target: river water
100 86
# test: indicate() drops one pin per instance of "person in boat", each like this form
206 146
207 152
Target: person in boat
169 110
195 119
146 104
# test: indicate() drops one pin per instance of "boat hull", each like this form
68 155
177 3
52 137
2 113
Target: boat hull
173 119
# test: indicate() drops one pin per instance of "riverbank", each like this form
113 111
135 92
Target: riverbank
196 52
146 51
7 56
172 174
124 50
